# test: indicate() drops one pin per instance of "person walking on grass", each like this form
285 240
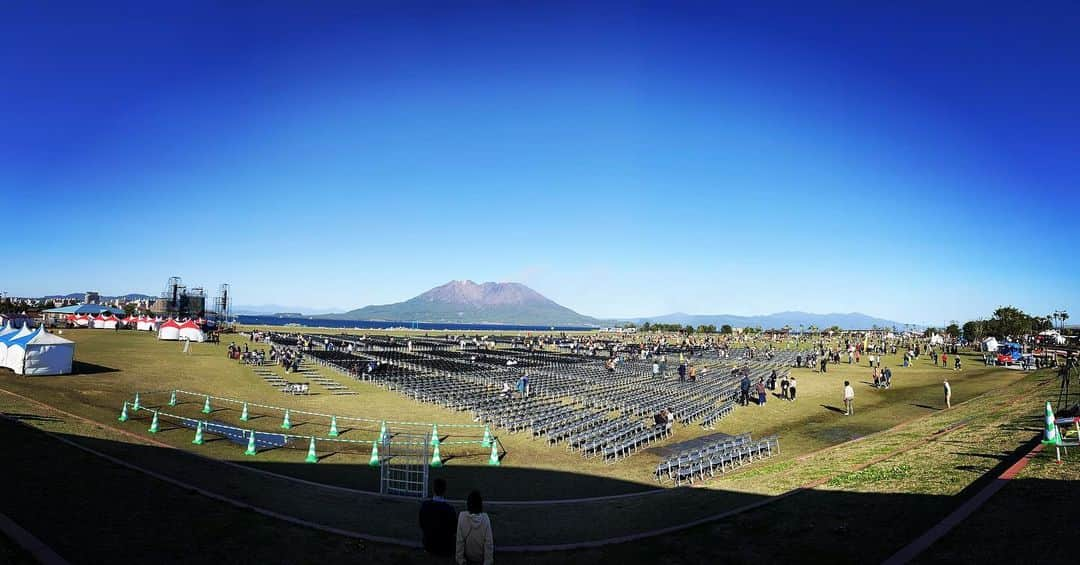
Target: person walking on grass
956 362
948 394
791 388
475 542
438 522
744 390
760 389
849 399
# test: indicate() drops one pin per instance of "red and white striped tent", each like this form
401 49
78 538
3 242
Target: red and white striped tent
99 322
146 324
169 330
83 320
191 331
109 322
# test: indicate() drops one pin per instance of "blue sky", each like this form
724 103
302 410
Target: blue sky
913 161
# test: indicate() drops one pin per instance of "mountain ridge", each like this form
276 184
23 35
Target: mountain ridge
464 301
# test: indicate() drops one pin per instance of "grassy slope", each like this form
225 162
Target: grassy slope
921 483
147 364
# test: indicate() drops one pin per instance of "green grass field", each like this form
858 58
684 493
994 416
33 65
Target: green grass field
916 458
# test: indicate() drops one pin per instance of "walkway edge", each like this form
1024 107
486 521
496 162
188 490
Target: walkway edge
30 543
939 530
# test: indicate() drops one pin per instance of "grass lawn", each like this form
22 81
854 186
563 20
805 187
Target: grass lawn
129 362
923 479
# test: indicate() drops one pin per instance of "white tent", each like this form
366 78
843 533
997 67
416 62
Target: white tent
99 322
84 320
990 344
9 338
190 331
146 324
110 322
1054 335
40 353
6 332
169 330
936 339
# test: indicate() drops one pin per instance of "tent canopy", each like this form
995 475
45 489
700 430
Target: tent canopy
84 309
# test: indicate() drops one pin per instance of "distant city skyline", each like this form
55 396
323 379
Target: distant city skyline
914 163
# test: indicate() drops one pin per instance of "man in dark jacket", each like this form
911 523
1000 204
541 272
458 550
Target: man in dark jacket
744 390
438 522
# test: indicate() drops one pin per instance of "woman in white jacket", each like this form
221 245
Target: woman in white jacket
475 543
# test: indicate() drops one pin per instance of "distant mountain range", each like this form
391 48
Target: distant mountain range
81 295
278 310
466 302
853 321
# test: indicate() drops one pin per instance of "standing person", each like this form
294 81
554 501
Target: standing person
956 362
784 384
944 360
849 399
475 542
791 388
656 368
948 394
744 390
438 522
760 389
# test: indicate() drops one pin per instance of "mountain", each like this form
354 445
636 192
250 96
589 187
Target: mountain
853 321
80 295
467 302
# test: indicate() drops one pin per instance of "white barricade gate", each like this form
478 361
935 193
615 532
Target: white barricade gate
404 467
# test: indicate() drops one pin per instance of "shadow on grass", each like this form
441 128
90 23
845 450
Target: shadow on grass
84 368
833 408
30 417
816 526
926 406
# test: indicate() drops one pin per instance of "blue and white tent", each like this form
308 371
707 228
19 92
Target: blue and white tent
8 339
39 353
7 330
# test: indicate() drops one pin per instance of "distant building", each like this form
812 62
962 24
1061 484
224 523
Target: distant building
92 297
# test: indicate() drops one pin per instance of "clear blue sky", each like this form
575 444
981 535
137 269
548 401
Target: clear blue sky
910 161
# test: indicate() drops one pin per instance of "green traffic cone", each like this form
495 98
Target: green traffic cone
436 459
1051 436
135 407
206 406
374 461
172 399
154 424
244 414
198 435
285 424
494 459
311 456
487 437
333 427
434 434
123 413
251 450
